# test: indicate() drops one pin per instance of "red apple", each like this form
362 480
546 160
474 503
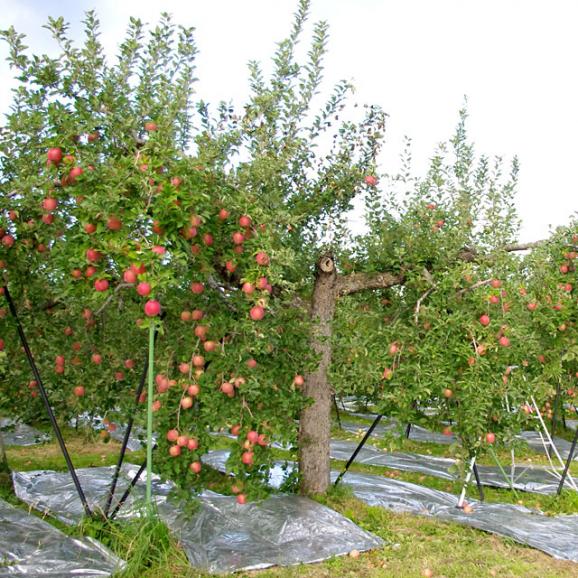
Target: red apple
224 214
299 380
96 358
262 259
209 346
143 289
114 224
197 288
8 241
195 467
78 391
101 285
187 402
198 361
74 173
230 266
370 180
490 438
49 204
129 276
448 393
150 126
494 299
129 363
193 390
253 437
241 499
248 288
532 306
201 332
504 341
152 308
257 313
251 363
227 388
238 238
208 239
247 458
485 320
175 451
54 155
192 444
496 283
245 221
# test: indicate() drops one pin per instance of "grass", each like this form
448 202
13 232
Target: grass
413 543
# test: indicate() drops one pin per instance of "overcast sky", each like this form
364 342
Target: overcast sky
514 59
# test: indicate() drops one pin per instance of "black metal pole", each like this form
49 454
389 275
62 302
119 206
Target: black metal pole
568 462
337 411
126 437
358 448
479 482
49 410
407 431
129 489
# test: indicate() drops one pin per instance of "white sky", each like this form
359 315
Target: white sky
514 59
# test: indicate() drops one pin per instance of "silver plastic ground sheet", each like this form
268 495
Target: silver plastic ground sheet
33 548
555 535
535 479
222 536
15 433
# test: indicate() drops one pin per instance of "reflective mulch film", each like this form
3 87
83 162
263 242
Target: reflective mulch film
535 479
555 535
19 434
222 536
32 547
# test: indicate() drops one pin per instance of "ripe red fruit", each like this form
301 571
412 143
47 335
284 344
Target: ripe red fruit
129 276
504 341
195 467
248 288
176 182
152 308
251 363
564 269
198 361
201 331
245 221
387 373
568 287
227 388
230 266
448 393
197 314
197 288
47 219
496 283
208 239
235 430
238 238
143 289
101 285
192 444
494 299
253 437
223 214
185 315
182 441
78 391
187 402
59 360
193 390
54 155
257 313
8 241
447 431
74 173
393 349
96 358
299 380
262 259
196 221
49 204
93 255
490 438
370 180
138 268
172 435
262 283
241 499
150 126
114 224
262 441
175 451
129 363
532 306
247 458
209 346
485 320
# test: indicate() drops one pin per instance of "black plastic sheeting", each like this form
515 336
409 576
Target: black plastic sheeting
15 433
534 479
32 547
222 536
555 535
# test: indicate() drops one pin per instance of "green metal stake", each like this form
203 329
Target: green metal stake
503 472
150 394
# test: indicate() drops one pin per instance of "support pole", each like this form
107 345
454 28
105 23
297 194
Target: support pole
568 462
479 483
407 431
462 497
126 437
47 405
151 360
358 448
337 411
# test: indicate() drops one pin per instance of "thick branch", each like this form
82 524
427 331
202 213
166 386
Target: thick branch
522 246
356 282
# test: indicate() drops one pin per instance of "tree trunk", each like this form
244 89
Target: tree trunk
315 422
5 474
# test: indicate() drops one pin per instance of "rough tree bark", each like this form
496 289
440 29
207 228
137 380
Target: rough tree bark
315 422
5 474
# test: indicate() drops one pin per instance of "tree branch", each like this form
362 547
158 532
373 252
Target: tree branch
356 282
